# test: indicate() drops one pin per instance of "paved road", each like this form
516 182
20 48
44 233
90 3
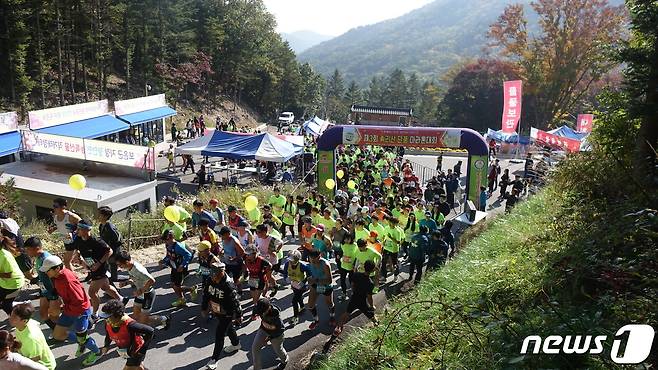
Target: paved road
188 344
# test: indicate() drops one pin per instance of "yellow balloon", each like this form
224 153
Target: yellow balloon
250 203
340 174
172 214
330 183
351 184
77 182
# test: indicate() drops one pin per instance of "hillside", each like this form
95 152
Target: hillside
427 41
300 41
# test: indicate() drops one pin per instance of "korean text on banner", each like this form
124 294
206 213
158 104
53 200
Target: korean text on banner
123 107
63 146
8 122
67 114
415 138
566 144
119 154
513 92
585 122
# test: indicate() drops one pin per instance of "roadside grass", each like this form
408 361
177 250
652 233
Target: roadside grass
560 263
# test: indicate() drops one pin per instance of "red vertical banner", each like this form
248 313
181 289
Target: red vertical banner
512 105
585 123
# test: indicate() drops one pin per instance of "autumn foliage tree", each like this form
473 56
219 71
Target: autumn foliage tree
475 92
181 78
570 51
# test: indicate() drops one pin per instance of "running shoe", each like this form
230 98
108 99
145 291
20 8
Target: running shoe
81 350
212 364
166 322
179 303
314 325
194 293
91 359
232 348
93 319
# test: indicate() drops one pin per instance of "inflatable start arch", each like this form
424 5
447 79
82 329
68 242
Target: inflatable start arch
409 137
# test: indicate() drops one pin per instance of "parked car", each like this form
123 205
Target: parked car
286 118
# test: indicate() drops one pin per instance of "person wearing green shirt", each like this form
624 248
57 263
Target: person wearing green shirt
277 201
185 216
347 255
176 228
29 334
328 221
419 211
392 242
288 219
365 253
360 232
11 277
377 226
316 217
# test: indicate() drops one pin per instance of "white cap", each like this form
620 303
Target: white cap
365 209
355 199
10 225
50 262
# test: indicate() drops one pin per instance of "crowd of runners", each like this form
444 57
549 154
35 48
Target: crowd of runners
381 216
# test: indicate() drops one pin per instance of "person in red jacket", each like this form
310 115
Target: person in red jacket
132 338
76 310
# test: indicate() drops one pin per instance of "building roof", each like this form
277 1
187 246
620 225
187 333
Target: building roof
406 112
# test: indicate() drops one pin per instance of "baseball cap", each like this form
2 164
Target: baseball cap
216 267
365 209
50 262
355 199
320 227
373 234
428 214
405 199
203 246
9 225
262 305
85 224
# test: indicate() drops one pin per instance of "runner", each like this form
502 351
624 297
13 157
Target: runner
217 213
288 219
306 237
258 272
49 302
271 330
178 258
321 284
362 288
76 310
144 294
296 272
232 256
417 250
367 253
243 234
225 306
10 359
201 214
131 337
95 253
206 259
392 240
11 277
110 235
65 224
277 202
234 218
321 242
209 235
345 262
29 334
268 246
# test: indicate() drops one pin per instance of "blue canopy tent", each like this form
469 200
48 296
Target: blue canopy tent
315 126
510 138
148 115
262 147
10 142
568 132
88 128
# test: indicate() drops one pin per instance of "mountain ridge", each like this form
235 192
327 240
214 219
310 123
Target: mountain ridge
300 41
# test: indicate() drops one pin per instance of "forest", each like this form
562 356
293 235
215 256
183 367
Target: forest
71 51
